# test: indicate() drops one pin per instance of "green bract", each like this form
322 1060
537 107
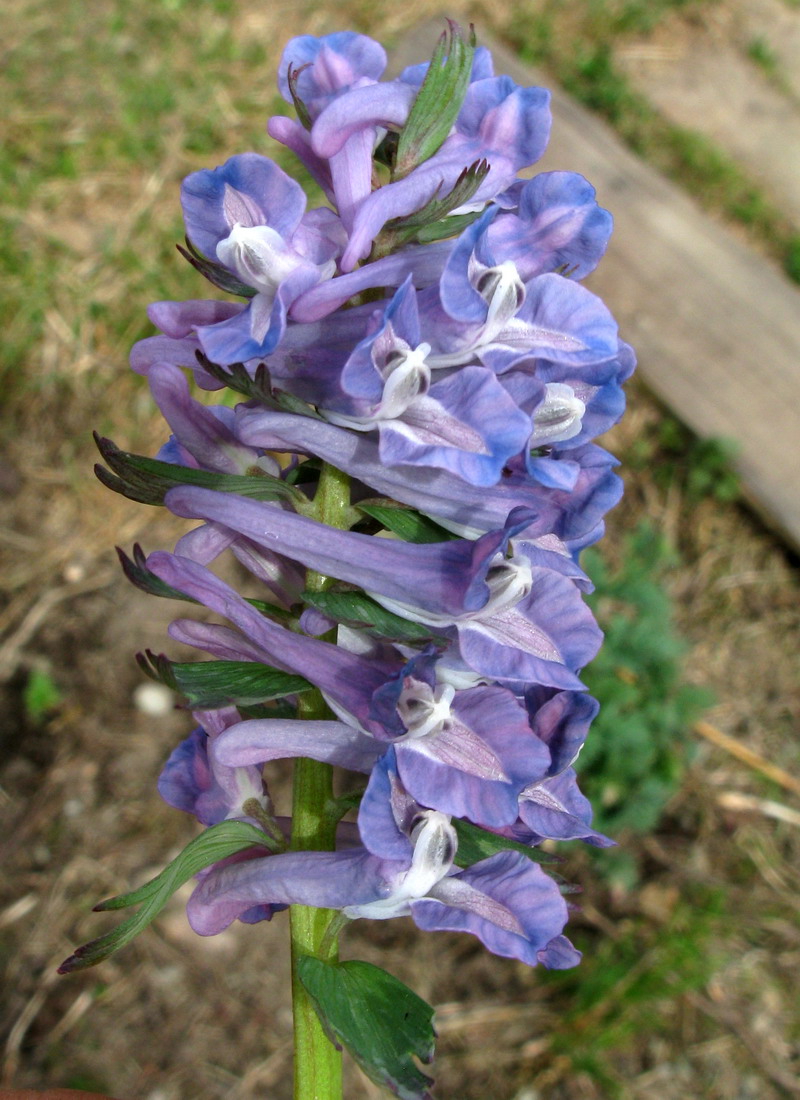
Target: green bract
216 843
382 1022
438 102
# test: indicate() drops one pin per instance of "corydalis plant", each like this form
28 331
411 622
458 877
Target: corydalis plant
408 481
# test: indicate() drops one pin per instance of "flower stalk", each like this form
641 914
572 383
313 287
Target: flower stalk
317 1062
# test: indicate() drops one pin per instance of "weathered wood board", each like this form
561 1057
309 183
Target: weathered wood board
716 327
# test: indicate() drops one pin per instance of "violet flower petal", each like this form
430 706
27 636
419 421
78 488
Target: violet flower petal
247 190
436 492
347 679
507 901
558 224
361 108
561 719
466 424
259 740
545 638
475 764
387 812
423 263
446 579
204 435
328 880
555 809
328 66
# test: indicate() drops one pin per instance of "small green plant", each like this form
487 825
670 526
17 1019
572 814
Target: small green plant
40 696
700 468
762 54
640 746
627 984
791 258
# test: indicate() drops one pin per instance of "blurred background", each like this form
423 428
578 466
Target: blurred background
690 927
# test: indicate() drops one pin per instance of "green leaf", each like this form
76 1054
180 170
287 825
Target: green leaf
475 844
383 1024
216 274
452 225
257 387
135 569
435 208
407 524
236 377
216 843
287 402
219 683
299 105
438 101
304 472
41 694
432 221
147 480
354 608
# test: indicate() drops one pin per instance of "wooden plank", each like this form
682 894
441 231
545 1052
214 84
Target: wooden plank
716 326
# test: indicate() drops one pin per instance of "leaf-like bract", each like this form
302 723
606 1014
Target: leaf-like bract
355 609
438 101
475 844
147 480
216 843
383 1024
208 684
404 522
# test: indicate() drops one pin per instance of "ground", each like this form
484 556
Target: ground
689 982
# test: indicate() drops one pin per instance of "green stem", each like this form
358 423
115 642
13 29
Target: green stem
317 1063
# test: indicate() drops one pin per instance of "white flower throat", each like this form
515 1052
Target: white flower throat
559 416
262 258
406 375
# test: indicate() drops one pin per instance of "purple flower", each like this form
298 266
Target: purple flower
513 621
557 225
499 122
571 512
468 753
451 742
422 263
202 436
464 378
179 344
193 780
325 67
467 423
491 314
555 809
249 215
260 740
442 581
546 638
348 680
321 70
405 866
